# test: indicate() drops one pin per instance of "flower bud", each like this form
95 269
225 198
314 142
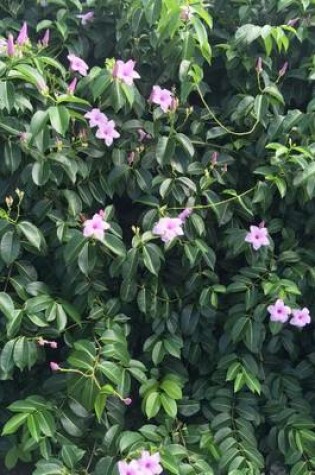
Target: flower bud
10 46
127 401
283 69
259 67
46 38
9 201
72 86
54 366
23 36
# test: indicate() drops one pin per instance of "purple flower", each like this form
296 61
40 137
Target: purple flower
10 46
131 468
279 312
257 237
168 228
185 214
54 366
77 64
22 36
150 464
301 317
45 39
95 227
107 132
161 97
96 118
86 18
72 86
125 71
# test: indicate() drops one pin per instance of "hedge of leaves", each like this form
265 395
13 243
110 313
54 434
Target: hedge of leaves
157 229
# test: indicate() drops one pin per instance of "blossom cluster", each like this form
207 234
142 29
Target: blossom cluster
279 312
146 464
105 127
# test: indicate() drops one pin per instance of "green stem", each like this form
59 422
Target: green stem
229 131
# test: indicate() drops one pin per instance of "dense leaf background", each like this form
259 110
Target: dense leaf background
181 328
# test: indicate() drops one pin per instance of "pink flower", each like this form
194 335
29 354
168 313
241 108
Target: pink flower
258 237
301 317
107 132
214 158
95 227
131 468
45 39
53 344
86 18
96 118
72 86
54 366
161 97
150 464
125 71
279 312
23 36
77 64
168 228
10 46
185 214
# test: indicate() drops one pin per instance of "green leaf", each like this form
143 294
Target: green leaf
6 95
59 118
9 247
172 389
14 423
114 244
169 405
32 234
152 404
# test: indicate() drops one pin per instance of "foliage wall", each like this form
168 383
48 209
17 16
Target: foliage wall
157 236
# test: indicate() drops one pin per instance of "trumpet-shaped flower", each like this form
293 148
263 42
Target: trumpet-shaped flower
162 98
107 132
77 64
96 118
125 71
150 464
279 312
95 227
131 468
301 317
257 237
168 228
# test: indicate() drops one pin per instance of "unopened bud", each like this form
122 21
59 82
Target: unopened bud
259 66
54 366
283 69
9 201
214 158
